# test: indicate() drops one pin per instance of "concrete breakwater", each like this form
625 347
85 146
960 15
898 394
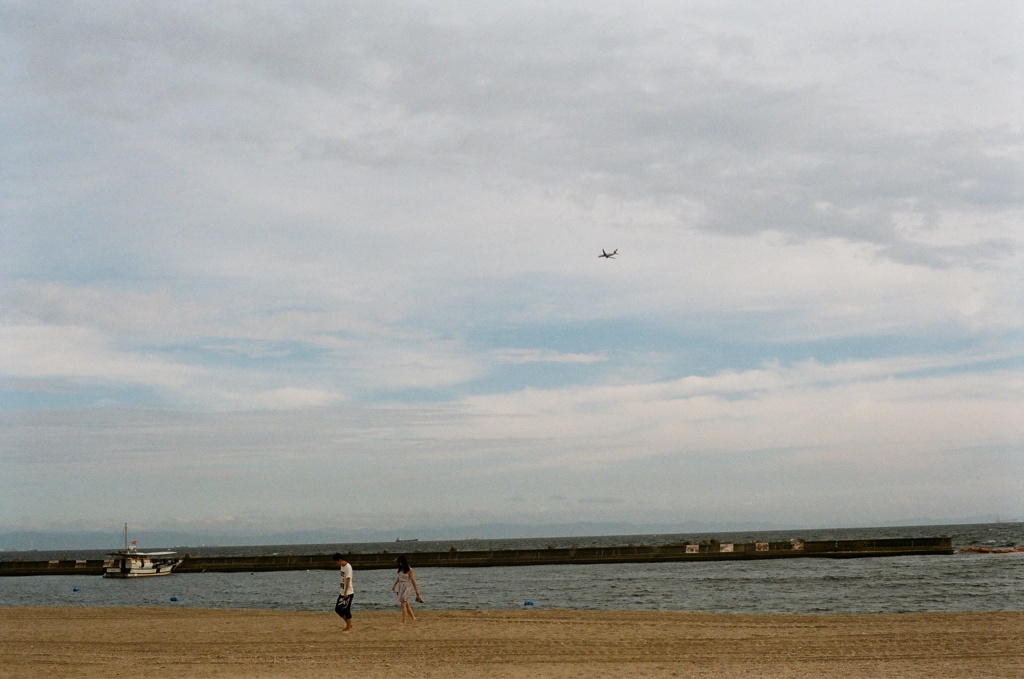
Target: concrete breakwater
710 550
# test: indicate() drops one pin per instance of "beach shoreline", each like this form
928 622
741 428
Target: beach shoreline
199 643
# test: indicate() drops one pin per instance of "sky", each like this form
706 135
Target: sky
304 264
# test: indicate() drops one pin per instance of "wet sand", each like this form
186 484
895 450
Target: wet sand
107 642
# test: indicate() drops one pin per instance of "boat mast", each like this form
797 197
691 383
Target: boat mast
126 536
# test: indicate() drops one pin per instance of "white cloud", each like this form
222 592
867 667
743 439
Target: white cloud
895 427
546 356
869 408
307 209
78 353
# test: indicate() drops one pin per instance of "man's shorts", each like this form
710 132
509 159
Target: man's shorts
344 606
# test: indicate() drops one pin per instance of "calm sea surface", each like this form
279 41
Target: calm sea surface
960 582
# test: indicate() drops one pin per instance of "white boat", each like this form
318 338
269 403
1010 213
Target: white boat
131 563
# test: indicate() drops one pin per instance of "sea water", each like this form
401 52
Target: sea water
965 581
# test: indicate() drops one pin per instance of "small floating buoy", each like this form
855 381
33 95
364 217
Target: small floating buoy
528 602
74 589
174 598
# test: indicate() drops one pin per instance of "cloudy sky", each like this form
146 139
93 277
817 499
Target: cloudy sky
306 264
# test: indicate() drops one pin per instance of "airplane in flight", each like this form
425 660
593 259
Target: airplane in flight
608 255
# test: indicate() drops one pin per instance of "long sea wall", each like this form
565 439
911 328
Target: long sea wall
679 552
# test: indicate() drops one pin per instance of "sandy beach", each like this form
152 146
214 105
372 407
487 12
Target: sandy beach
103 642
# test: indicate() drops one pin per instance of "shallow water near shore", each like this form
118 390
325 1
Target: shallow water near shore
958 582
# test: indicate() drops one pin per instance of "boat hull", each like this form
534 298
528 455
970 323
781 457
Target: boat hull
139 566
138 572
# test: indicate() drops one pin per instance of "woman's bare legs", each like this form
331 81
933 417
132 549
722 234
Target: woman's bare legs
407 609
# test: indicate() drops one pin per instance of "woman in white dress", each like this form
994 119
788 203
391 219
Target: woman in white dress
405 584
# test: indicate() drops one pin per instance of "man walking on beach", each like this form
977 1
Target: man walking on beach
344 605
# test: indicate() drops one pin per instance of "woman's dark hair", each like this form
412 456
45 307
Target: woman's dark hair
403 564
